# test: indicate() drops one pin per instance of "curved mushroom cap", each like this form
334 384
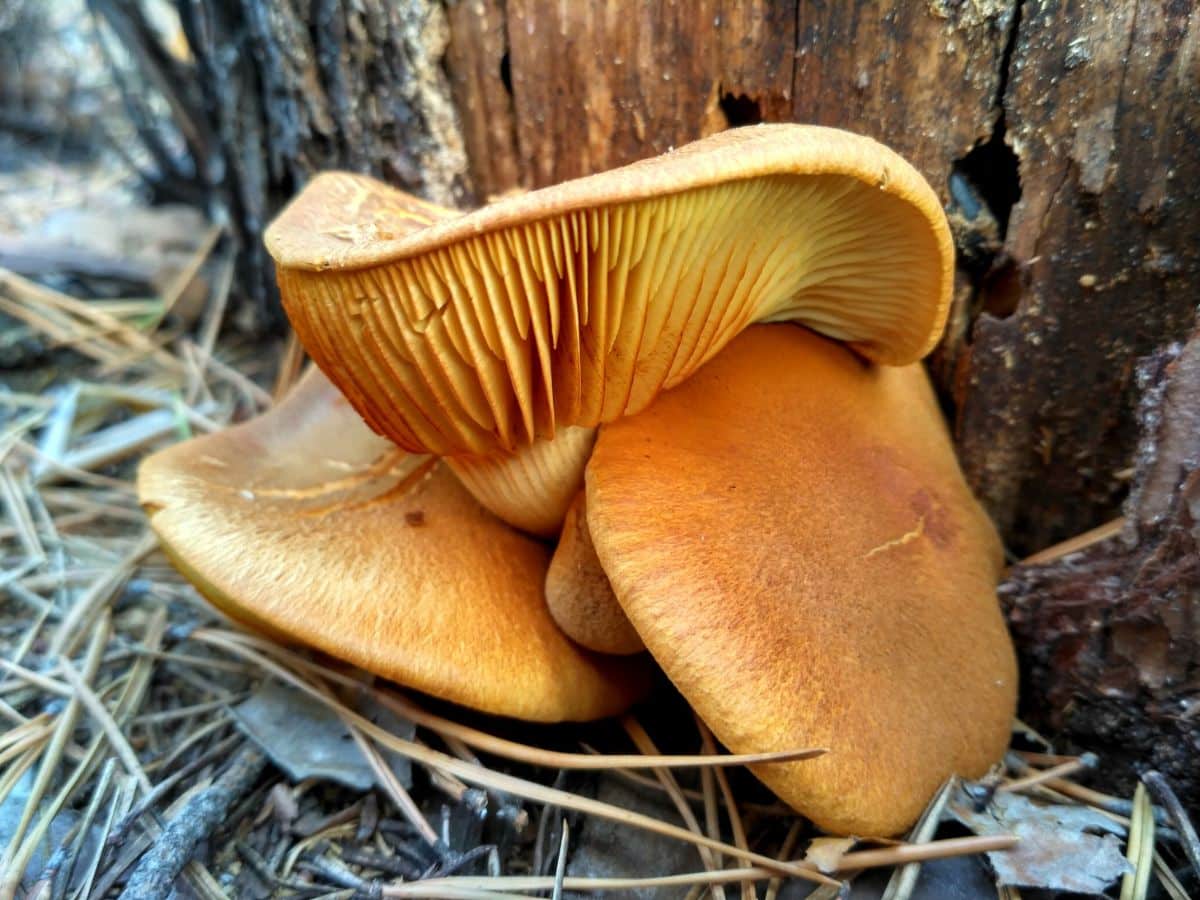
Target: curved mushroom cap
578 593
304 523
577 304
791 536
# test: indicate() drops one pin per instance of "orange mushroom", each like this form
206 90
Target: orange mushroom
476 336
780 519
790 535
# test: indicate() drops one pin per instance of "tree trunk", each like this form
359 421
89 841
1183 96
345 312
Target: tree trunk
1060 135
275 92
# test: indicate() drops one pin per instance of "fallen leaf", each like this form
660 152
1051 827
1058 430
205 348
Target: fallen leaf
307 740
1062 848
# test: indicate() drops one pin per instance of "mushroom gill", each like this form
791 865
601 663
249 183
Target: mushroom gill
577 304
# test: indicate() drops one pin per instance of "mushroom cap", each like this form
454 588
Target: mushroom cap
304 523
791 536
577 304
578 593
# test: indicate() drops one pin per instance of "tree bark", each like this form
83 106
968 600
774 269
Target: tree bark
1111 634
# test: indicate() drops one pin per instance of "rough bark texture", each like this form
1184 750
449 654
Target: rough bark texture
1111 634
1103 264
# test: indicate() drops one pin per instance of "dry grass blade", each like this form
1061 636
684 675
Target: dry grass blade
643 742
74 626
856 860
1077 543
904 880
560 866
786 850
902 854
21 845
80 323
1171 884
387 779
1046 776
187 274
112 731
503 747
499 781
1140 847
731 809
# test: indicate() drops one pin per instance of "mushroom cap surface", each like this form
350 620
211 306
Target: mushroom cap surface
791 536
577 304
305 524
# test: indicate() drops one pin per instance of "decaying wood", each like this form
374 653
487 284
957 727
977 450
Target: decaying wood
1102 262
1111 634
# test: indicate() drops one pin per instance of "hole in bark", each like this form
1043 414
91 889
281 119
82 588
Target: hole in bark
506 73
1000 292
740 110
993 172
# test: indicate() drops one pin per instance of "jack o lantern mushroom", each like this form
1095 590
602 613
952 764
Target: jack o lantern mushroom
480 337
500 339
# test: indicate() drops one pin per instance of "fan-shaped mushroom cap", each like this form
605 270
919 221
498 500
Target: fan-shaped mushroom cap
577 304
578 593
791 536
306 524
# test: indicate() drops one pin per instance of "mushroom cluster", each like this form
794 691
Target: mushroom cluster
773 511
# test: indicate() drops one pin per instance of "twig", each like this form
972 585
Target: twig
157 870
1178 815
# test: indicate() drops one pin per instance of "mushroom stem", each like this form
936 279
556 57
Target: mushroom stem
580 598
530 488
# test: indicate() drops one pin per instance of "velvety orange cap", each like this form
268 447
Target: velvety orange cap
790 534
